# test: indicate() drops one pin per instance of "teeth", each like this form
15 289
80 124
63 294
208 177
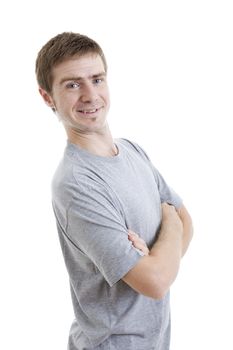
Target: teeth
89 111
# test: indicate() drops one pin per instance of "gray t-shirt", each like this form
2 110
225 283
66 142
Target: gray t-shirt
96 200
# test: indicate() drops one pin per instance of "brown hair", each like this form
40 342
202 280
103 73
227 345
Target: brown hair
60 48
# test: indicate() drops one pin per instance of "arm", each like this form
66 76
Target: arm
153 274
138 242
185 217
187 227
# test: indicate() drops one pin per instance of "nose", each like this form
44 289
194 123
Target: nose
88 93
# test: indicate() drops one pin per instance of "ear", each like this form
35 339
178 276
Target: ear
46 97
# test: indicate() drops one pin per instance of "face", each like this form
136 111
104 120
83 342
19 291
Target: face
80 94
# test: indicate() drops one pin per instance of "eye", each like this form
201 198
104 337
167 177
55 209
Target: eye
97 81
72 85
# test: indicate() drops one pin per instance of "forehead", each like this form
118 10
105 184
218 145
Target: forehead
80 66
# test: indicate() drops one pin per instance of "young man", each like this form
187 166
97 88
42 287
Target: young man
104 191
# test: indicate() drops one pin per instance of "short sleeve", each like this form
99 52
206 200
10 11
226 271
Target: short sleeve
96 226
167 194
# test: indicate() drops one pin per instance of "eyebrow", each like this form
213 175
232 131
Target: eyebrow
94 76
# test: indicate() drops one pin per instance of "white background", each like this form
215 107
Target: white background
171 81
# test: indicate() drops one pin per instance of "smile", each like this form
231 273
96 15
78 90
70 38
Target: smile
88 111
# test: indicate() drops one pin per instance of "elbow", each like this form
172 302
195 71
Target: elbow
159 294
162 282
152 287
159 290
152 279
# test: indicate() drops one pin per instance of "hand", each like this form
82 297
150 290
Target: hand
170 219
138 242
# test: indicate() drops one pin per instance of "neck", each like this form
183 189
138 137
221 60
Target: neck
100 144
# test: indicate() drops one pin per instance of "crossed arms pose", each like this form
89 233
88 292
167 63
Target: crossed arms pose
97 192
156 271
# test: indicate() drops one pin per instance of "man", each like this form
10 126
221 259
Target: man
110 204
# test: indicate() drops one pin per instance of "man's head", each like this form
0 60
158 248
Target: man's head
59 49
72 76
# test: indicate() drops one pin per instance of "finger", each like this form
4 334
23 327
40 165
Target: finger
166 205
132 233
139 244
136 239
133 237
143 248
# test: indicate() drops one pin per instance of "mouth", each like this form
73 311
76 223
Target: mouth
88 111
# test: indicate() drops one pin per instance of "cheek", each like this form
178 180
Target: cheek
108 101
65 102
106 96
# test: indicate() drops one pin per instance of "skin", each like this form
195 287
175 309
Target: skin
157 270
80 98
79 88
138 242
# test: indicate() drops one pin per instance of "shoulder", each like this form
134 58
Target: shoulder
133 147
80 185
